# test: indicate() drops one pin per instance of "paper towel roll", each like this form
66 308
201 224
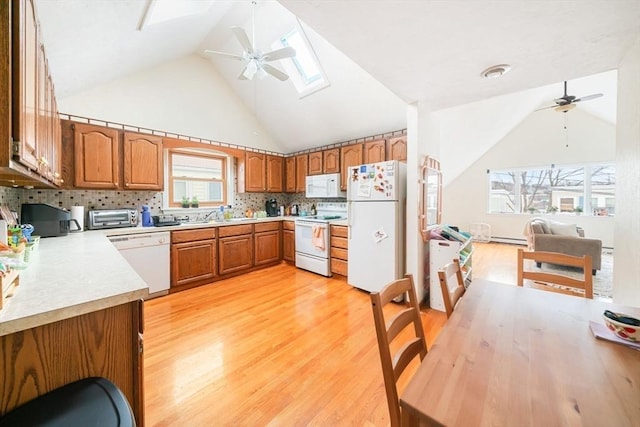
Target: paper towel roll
77 213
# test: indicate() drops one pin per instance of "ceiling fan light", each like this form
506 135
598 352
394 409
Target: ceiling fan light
496 71
565 108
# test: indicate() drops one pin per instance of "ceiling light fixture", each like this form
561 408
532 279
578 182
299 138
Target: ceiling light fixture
565 108
496 71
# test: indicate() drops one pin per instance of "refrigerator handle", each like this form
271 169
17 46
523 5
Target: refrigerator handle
349 219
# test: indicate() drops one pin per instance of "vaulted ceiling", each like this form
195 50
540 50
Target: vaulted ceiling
378 55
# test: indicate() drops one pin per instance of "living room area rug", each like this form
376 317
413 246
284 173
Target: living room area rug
602 281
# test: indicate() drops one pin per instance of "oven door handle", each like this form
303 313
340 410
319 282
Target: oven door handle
310 225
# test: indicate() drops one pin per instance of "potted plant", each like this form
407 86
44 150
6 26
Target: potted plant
194 202
185 202
531 209
552 209
578 210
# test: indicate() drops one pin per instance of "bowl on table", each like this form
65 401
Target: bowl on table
624 326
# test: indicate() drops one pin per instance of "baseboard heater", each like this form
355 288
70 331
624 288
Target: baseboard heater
508 240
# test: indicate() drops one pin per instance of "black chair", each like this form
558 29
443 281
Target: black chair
84 403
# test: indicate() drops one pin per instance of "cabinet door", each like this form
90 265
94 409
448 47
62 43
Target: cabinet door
315 163
290 175
25 83
143 163
350 155
301 172
97 155
331 160
375 151
289 245
274 174
397 148
254 173
267 247
235 253
193 262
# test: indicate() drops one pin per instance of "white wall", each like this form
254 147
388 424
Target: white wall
187 96
626 272
539 140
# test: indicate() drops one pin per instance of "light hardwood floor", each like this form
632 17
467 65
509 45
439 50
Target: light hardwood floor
277 347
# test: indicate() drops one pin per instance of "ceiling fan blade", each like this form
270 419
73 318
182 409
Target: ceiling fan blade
242 37
249 71
285 52
589 97
545 108
275 72
226 55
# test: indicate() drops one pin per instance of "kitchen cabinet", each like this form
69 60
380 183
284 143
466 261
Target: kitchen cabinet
315 163
331 159
96 156
290 174
143 162
274 174
30 153
235 248
263 173
350 155
375 151
266 240
301 172
339 249
193 258
289 241
397 148
105 343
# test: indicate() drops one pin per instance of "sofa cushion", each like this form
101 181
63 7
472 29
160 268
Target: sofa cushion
563 229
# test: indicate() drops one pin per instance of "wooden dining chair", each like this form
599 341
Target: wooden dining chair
584 285
393 365
451 284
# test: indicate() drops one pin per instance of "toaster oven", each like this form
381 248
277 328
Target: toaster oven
112 218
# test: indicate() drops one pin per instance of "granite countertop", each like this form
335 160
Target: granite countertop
70 276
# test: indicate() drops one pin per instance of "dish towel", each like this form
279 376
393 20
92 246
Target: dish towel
318 237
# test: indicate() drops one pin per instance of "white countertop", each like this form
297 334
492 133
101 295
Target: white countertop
70 276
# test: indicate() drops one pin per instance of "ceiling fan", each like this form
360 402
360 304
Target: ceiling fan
256 62
568 102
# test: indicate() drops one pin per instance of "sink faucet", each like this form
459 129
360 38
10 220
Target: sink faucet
206 217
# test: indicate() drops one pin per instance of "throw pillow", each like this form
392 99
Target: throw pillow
537 228
563 229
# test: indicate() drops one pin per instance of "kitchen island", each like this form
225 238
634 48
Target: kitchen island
76 313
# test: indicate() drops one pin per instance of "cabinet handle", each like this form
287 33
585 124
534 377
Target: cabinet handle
126 184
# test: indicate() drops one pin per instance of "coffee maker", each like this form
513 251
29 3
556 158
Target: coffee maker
271 206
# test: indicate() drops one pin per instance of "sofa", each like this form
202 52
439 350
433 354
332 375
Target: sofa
551 236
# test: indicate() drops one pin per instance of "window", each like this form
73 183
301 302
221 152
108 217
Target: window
561 189
199 175
304 68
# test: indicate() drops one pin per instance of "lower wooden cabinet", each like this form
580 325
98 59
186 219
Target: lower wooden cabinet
266 242
235 246
339 249
289 241
193 257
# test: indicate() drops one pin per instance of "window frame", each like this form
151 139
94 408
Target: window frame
171 204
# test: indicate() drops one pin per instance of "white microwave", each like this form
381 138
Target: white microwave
323 186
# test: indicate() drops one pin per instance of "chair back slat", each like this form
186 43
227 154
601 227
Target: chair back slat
451 285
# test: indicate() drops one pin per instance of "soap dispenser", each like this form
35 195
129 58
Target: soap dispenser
146 217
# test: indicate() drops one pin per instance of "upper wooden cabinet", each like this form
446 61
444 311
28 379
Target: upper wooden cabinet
331 160
143 162
350 155
397 148
96 156
315 163
290 175
263 173
301 172
375 151
30 153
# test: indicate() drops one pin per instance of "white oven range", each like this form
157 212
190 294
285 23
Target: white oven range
312 237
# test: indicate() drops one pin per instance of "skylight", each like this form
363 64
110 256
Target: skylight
158 11
304 68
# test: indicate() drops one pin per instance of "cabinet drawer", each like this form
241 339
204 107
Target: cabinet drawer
235 230
339 242
339 231
288 225
191 235
339 266
339 253
267 226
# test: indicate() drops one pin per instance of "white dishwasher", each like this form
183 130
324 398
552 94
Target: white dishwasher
148 254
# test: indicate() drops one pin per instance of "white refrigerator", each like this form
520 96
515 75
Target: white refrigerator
376 198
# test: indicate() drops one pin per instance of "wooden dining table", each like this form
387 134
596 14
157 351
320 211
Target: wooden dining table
515 356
